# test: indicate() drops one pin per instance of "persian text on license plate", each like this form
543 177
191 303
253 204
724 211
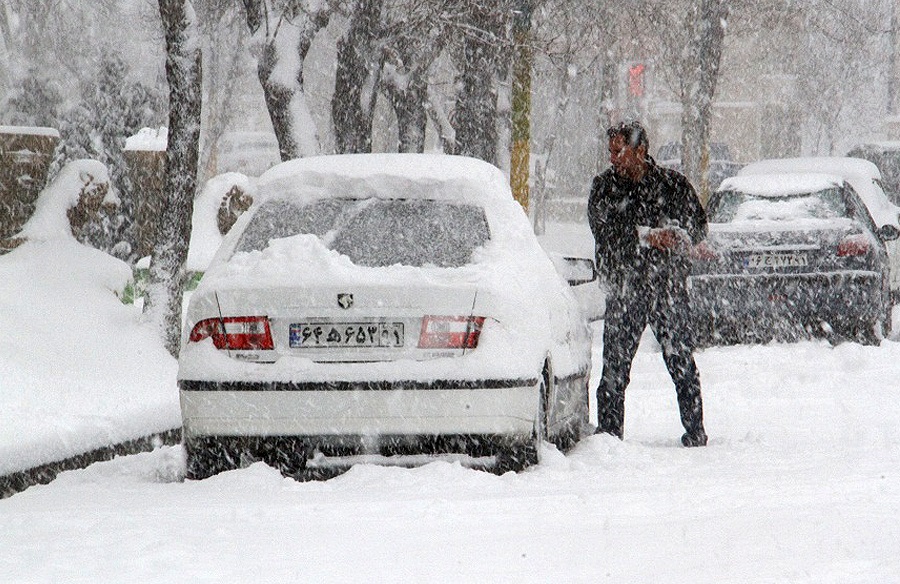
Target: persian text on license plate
776 260
346 334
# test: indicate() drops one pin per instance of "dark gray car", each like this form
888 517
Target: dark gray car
788 256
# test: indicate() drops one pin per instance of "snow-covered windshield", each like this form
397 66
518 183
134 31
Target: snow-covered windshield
376 232
739 206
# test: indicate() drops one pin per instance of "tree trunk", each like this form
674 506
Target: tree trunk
359 62
700 67
183 73
223 68
283 88
409 106
520 156
476 103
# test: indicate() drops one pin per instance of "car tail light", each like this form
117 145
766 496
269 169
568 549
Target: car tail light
704 252
854 245
450 332
235 332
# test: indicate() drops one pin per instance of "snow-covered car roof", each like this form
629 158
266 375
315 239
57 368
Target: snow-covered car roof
780 185
840 165
862 175
387 175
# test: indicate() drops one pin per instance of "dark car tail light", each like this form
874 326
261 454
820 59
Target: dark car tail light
235 332
704 252
854 245
450 332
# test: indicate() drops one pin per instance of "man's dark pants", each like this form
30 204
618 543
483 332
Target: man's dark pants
631 304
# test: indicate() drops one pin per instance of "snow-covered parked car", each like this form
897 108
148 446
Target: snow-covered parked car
864 177
789 253
381 307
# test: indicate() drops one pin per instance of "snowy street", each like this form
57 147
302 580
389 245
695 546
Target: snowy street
320 233
800 483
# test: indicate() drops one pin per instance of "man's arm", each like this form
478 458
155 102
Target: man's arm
598 213
596 208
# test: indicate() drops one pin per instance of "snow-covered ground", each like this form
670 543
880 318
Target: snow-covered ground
800 481
78 369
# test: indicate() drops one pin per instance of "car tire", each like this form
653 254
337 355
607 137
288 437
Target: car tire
868 333
202 462
579 426
704 333
519 456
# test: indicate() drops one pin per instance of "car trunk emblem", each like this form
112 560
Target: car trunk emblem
345 300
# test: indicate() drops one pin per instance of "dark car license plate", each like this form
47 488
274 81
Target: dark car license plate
346 334
776 260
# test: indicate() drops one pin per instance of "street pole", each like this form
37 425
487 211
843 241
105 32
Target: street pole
521 102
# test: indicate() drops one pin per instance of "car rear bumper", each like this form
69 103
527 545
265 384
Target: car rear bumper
496 407
794 297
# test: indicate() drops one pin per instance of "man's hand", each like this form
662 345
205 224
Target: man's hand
667 238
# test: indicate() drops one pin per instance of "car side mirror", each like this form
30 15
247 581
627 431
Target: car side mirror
577 271
888 233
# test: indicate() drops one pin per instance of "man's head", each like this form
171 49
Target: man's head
628 146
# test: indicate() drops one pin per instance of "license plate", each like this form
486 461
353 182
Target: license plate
346 334
776 260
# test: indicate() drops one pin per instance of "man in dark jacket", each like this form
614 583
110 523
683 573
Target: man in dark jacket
645 220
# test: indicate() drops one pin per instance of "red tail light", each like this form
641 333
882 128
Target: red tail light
702 251
450 332
235 332
854 245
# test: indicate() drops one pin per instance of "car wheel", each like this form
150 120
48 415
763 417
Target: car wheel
579 425
875 332
204 461
865 333
520 456
705 332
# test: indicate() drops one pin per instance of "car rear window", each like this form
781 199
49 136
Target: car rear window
740 206
376 232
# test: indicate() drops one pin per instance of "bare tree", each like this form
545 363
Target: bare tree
359 62
222 66
700 66
841 39
283 32
418 33
183 72
481 64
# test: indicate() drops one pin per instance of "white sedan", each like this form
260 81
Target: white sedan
385 308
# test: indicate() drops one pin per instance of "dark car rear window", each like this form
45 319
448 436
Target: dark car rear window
376 232
740 206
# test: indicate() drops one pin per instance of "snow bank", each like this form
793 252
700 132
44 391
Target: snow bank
78 370
205 236
49 220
